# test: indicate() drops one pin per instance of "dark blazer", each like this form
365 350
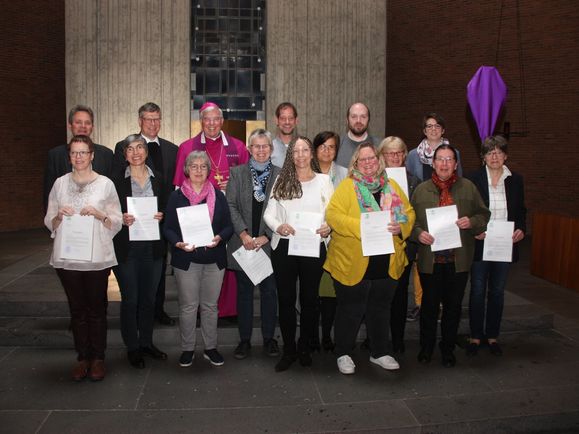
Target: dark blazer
221 225
58 164
240 199
169 153
121 240
516 211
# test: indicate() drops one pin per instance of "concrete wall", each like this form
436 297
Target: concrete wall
323 56
121 54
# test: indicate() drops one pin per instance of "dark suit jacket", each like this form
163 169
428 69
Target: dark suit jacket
516 211
121 240
58 164
240 199
169 153
221 225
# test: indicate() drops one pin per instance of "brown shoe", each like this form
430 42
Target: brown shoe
80 370
97 370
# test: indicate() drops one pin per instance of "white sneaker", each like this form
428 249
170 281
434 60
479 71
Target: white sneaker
346 365
386 362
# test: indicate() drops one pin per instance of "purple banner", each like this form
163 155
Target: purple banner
486 93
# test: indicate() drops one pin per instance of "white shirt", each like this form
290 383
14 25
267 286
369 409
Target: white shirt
498 196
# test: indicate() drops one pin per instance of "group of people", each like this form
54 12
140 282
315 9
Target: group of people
255 196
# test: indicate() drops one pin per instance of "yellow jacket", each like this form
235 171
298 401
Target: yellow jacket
344 260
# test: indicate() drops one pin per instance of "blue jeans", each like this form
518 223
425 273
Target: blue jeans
494 275
268 303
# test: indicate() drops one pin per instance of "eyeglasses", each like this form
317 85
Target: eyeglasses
132 149
212 120
496 153
328 147
260 147
394 154
444 159
81 154
201 167
431 126
151 120
367 160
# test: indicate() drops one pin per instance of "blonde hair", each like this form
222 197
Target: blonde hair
354 161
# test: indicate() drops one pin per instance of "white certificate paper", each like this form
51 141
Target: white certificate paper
195 225
145 227
376 240
305 242
442 226
498 243
76 241
398 174
255 263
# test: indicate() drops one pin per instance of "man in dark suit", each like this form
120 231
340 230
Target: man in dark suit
162 158
80 122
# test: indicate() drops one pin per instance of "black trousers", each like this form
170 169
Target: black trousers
369 299
399 308
287 270
86 292
444 286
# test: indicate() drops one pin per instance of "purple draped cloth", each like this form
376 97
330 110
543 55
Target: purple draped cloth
486 94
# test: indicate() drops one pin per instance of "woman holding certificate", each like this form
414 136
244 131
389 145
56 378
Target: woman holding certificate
139 250
394 151
296 215
248 192
503 192
449 214
364 273
197 226
84 215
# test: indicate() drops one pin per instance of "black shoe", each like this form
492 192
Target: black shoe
214 357
495 348
154 352
186 358
164 319
328 345
315 345
425 355
285 362
448 359
305 358
472 349
136 359
271 348
242 350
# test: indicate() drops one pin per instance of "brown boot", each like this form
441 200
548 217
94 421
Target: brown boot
97 370
80 370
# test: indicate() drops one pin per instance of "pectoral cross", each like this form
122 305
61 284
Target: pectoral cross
218 177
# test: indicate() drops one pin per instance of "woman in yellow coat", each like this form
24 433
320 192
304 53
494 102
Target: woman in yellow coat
365 285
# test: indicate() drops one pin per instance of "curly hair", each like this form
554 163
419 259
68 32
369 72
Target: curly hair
288 185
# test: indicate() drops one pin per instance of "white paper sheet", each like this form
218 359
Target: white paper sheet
376 240
145 227
442 226
195 225
398 174
498 243
305 242
77 237
255 263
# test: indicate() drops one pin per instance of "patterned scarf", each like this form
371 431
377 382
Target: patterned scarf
444 188
366 186
426 152
259 175
207 192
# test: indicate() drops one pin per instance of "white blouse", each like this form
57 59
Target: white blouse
315 198
102 195
498 196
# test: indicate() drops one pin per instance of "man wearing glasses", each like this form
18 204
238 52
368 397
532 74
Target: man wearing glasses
80 123
358 120
161 158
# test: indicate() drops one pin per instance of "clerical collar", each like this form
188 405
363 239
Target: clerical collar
221 133
155 140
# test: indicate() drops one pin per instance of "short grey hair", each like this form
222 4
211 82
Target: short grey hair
80 108
210 108
195 155
257 133
134 138
149 107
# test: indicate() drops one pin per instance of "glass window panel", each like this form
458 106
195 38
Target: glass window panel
244 81
212 81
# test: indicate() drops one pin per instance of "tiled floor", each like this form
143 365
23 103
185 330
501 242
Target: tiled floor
534 387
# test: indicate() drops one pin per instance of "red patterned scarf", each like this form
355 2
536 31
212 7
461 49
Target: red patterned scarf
444 188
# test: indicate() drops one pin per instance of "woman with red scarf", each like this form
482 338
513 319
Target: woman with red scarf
443 274
198 271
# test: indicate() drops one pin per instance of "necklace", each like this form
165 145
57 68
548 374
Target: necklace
218 176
